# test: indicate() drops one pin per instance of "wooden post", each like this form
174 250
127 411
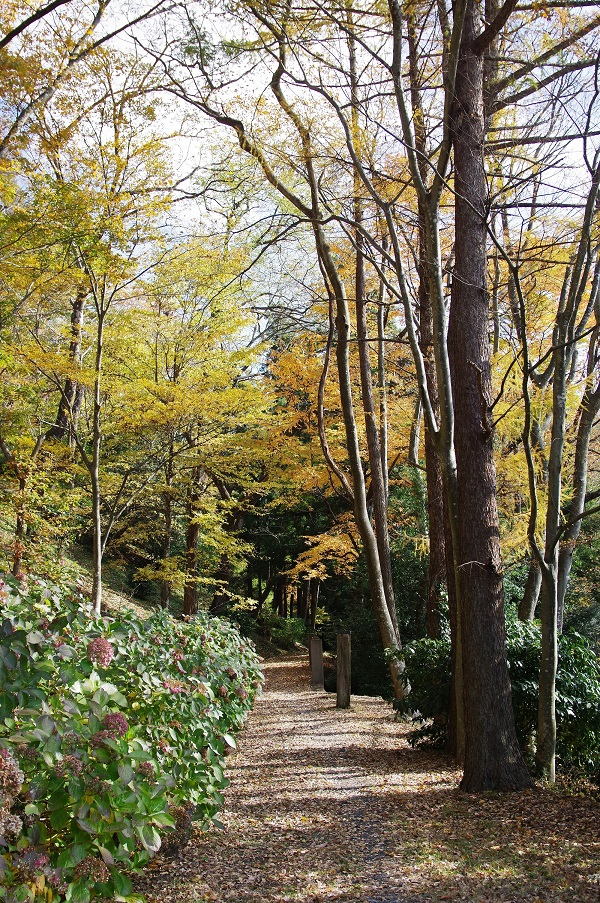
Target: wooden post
316 662
343 671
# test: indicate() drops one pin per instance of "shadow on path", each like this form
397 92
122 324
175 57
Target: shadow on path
330 805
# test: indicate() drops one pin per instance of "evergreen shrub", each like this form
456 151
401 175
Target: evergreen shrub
577 692
113 732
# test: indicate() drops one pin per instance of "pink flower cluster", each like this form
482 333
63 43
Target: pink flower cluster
222 691
70 766
100 736
96 786
93 868
147 770
100 652
11 776
175 686
116 724
11 781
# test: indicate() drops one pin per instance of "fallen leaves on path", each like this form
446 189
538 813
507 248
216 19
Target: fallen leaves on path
329 805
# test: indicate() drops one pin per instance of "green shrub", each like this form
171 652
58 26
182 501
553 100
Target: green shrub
283 632
577 692
119 728
427 671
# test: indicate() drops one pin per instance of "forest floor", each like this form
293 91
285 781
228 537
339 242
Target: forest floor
334 805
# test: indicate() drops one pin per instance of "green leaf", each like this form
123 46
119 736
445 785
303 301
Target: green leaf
122 883
108 857
34 638
149 837
230 741
126 774
78 893
59 819
71 858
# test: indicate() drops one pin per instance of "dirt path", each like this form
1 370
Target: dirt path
331 805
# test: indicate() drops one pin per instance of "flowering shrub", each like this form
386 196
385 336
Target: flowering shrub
113 732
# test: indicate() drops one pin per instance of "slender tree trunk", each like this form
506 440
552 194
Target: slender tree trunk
20 529
439 448
382 376
165 584
533 583
374 448
71 398
314 587
531 593
590 406
435 481
387 628
192 535
97 548
545 755
304 610
492 757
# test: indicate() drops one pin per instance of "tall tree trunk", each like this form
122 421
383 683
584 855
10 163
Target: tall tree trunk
590 406
492 757
167 499
387 627
433 470
531 592
71 398
314 587
303 599
378 493
192 535
533 583
20 529
234 521
435 380
382 374
97 549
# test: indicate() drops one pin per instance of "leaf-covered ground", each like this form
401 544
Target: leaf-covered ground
331 805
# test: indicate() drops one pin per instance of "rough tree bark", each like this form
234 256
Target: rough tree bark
492 757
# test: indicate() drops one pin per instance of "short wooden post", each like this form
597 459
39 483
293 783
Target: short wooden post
316 662
343 671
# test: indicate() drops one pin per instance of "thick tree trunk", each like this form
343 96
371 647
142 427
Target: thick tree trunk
492 757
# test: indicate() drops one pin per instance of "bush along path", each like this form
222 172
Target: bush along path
113 735
330 805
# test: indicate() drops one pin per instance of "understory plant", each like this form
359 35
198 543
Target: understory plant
113 735
577 692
